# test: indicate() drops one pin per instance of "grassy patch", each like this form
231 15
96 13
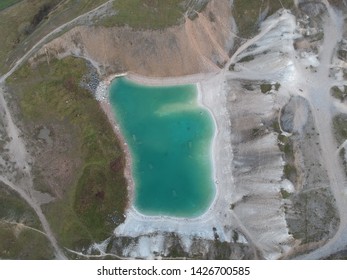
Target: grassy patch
258 132
95 198
192 7
316 216
14 208
290 172
285 144
247 13
343 158
277 86
338 93
223 249
265 88
93 204
276 127
146 14
285 194
30 20
317 37
18 242
248 86
7 3
246 58
340 127
153 14
23 244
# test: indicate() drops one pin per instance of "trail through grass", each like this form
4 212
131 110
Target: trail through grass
93 204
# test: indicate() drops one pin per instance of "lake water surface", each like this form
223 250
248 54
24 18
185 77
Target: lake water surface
169 136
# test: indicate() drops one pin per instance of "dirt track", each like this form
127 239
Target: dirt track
16 146
316 88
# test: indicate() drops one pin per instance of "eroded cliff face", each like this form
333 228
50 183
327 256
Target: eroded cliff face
199 45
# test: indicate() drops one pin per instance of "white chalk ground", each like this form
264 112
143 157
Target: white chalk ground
213 89
261 220
218 215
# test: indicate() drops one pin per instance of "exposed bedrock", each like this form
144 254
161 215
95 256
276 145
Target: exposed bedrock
258 171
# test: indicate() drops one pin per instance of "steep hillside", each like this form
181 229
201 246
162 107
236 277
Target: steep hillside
198 45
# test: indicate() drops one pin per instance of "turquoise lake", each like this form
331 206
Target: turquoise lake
169 136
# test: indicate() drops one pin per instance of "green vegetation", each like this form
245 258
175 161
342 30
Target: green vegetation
265 88
342 54
15 209
277 129
153 14
247 13
317 225
343 158
93 204
246 58
277 86
290 171
13 23
340 127
24 26
339 94
316 37
18 225
7 3
258 132
286 146
285 194
248 86
146 14
223 249
192 7
23 243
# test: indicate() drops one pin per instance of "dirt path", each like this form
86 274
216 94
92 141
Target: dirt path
58 252
18 154
16 146
22 226
253 40
194 44
47 38
316 89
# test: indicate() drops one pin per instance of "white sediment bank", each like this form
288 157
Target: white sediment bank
212 96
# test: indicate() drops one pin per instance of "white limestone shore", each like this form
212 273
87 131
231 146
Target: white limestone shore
211 96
